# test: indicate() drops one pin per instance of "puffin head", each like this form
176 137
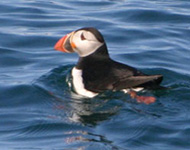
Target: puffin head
84 41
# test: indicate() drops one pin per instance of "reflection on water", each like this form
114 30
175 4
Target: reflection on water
92 112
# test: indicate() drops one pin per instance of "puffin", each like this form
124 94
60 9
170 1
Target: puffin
95 72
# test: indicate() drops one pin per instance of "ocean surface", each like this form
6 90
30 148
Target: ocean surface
40 111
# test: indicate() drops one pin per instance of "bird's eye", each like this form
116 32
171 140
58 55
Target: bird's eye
82 37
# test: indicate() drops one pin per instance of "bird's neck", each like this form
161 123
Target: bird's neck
100 55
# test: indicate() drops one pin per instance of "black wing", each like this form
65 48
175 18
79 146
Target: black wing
111 75
149 82
129 77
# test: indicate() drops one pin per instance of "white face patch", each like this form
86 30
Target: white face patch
85 42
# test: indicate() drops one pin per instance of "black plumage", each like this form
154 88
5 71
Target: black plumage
101 73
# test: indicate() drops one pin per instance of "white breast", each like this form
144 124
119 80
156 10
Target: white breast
79 85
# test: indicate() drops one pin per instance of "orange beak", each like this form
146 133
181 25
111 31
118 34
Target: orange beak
64 44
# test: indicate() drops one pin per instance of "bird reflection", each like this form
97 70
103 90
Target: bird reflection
89 113
84 136
92 111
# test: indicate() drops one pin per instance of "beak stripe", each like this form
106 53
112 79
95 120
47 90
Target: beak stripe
73 45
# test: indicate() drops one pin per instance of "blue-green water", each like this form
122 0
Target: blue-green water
38 110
